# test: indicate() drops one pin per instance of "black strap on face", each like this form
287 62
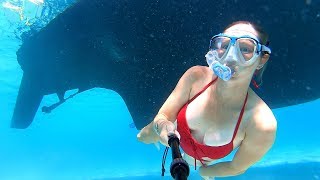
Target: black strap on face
267 43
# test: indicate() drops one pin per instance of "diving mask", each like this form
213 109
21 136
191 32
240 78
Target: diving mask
228 52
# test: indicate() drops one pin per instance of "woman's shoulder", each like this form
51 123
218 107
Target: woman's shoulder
198 72
262 118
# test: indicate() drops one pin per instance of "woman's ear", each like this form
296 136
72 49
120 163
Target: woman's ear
263 61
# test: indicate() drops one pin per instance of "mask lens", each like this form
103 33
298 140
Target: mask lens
220 45
247 48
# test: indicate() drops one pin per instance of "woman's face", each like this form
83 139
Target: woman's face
244 30
235 52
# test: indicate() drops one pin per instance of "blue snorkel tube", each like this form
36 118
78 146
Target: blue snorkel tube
179 168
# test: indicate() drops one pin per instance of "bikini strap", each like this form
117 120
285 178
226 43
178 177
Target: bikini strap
208 85
240 118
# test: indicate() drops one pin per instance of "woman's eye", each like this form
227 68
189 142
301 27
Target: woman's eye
224 46
246 50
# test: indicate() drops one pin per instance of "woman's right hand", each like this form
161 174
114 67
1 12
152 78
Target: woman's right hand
148 135
153 133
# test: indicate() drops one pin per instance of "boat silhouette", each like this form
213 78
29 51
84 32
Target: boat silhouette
141 48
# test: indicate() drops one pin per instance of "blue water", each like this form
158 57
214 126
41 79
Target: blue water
91 137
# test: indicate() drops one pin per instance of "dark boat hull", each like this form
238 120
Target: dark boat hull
140 49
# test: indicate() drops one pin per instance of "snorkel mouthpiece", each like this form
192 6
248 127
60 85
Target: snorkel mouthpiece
222 71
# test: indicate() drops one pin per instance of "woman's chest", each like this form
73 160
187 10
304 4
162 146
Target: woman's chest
212 126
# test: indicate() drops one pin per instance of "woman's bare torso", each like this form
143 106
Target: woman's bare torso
212 125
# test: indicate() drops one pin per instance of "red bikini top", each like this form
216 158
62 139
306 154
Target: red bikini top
195 149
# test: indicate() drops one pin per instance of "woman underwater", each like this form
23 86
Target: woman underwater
213 109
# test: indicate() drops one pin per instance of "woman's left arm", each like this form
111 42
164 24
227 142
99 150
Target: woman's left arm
259 138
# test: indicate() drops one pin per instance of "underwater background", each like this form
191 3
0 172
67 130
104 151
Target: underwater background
92 136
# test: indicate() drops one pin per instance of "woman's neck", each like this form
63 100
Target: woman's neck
231 94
